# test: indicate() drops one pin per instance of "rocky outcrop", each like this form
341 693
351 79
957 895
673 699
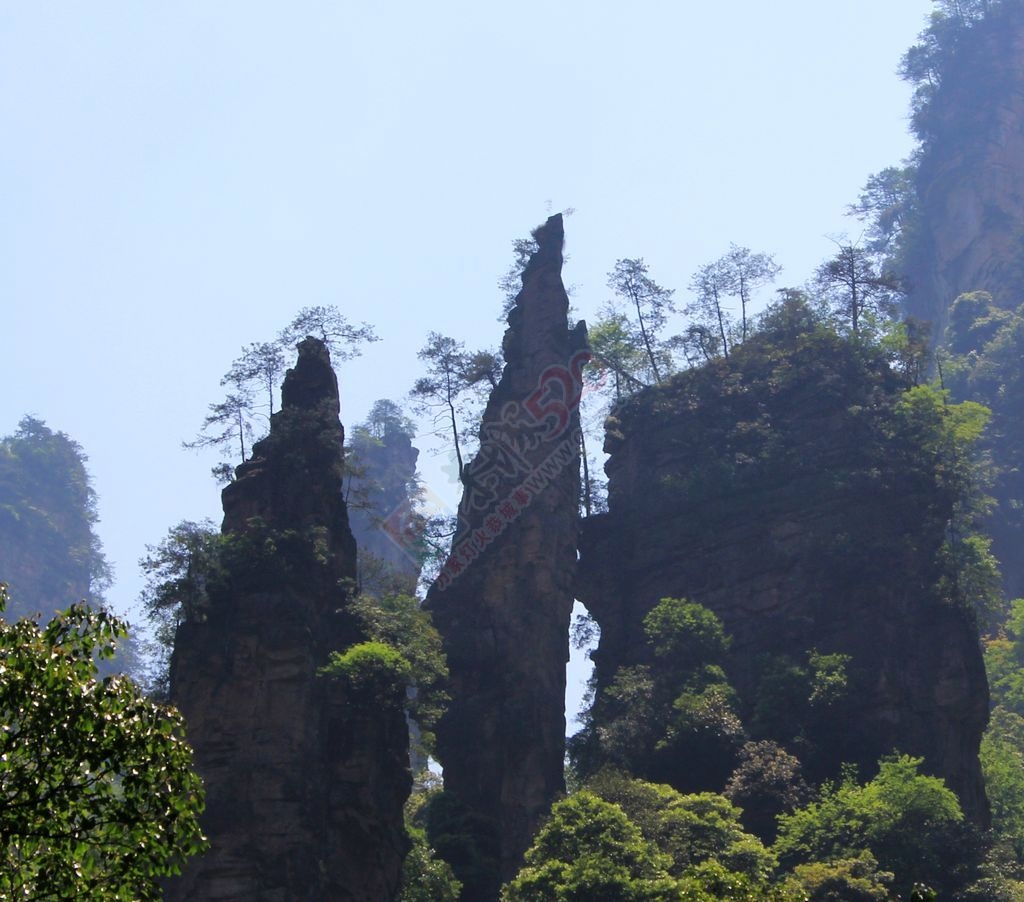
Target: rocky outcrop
382 510
304 790
783 490
970 183
503 601
966 232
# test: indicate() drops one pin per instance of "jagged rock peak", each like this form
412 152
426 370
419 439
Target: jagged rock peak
312 381
294 478
503 601
305 784
550 239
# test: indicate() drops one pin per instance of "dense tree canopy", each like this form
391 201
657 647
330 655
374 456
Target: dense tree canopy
910 823
98 798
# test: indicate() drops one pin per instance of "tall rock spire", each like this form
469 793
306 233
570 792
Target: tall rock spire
504 599
304 789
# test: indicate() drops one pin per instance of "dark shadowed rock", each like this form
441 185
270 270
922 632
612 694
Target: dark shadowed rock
778 489
503 602
304 788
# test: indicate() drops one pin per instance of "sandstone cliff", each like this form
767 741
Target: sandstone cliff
504 600
781 489
970 183
965 234
381 492
304 789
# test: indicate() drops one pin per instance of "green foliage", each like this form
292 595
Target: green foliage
974 321
857 288
911 823
944 438
856 879
686 631
467 841
987 366
907 346
1002 763
344 340
512 281
927 63
888 203
49 550
617 360
643 306
98 798
1004 662
180 571
828 677
262 557
711 881
426 878
690 829
375 674
253 379
673 720
446 392
766 783
737 274
944 432
400 622
706 707
1001 877
794 698
589 850
387 420
625 839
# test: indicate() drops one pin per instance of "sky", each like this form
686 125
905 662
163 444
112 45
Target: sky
177 180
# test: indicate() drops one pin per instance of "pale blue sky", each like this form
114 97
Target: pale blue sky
178 179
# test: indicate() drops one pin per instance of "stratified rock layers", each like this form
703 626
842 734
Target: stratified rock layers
304 790
504 600
778 490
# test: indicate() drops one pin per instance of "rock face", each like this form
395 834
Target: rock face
503 601
970 217
384 487
780 490
970 182
304 791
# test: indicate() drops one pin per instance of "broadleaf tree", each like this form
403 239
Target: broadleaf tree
98 798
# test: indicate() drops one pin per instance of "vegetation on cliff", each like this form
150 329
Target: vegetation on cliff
823 505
